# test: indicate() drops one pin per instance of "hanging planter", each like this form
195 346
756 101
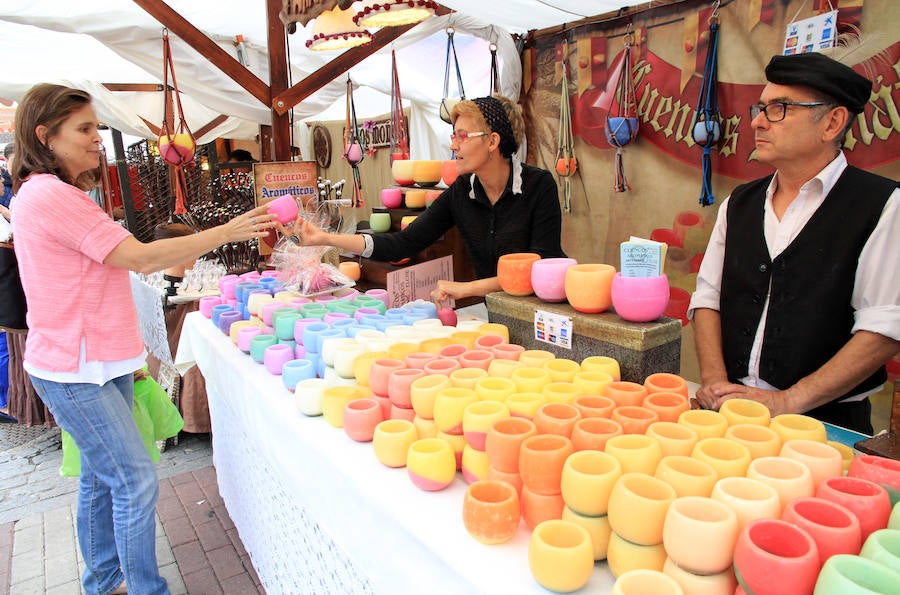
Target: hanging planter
446 102
399 133
354 147
566 164
622 128
176 143
707 131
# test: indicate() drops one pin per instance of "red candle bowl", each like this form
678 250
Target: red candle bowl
777 558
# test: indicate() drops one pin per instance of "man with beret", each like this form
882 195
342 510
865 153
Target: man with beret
797 303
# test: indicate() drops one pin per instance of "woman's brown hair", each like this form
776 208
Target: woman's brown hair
45 105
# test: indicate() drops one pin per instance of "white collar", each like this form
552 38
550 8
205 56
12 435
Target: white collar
516 178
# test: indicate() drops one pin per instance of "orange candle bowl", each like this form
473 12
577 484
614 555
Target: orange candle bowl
590 405
634 419
556 418
668 406
504 440
514 272
665 382
537 508
491 511
589 287
626 393
541 460
592 433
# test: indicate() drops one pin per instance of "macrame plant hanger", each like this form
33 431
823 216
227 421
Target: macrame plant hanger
566 164
354 147
399 133
446 102
177 146
622 129
707 129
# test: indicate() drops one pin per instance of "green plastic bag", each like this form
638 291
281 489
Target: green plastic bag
155 415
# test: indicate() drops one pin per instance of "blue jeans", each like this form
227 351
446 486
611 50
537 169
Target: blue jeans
118 488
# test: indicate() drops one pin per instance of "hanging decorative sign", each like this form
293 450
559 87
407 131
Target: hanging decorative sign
303 11
707 128
622 129
811 35
176 143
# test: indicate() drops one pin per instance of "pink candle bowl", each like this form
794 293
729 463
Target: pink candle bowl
207 303
360 418
699 534
398 385
548 278
866 499
275 356
834 528
476 358
491 511
504 440
245 335
449 173
379 374
640 299
509 351
402 172
514 272
588 287
478 417
885 472
777 558
431 464
391 198
285 208
488 341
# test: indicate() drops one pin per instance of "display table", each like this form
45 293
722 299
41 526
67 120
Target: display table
318 513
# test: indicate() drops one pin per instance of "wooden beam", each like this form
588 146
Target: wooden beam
210 125
139 87
278 78
207 48
153 127
282 102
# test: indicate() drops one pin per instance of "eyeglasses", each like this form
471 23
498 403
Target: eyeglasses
460 136
777 110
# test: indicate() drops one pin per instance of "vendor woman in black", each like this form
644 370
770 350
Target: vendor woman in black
499 204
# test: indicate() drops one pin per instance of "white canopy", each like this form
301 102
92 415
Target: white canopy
90 42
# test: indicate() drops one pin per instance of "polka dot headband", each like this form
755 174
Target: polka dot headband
497 119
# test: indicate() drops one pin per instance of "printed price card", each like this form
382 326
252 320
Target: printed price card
416 282
555 329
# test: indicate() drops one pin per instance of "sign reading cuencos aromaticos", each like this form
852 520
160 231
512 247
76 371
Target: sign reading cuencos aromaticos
271 180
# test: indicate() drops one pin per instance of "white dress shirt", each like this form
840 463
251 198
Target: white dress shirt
876 291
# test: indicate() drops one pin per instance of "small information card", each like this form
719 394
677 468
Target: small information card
416 282
555 329
642 258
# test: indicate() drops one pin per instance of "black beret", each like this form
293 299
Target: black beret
823 74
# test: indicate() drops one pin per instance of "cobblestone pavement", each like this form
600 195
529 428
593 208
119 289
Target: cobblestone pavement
198 549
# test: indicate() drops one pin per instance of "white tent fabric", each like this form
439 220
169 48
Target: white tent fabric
91 42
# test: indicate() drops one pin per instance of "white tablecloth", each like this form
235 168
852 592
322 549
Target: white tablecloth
319 514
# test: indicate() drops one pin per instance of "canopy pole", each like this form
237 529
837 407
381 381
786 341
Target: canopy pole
278 81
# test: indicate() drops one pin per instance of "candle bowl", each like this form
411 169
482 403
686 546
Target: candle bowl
514 272
402 172
638 505
449 173
391 198
844 574
560 556
426 172
588 287
431 464
640 299
833 527
491 511
548 278
284 207
749 498
699 534
775 557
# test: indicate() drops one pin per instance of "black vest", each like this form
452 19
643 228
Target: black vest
810 316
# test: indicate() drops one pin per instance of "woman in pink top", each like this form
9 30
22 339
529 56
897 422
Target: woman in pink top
84 343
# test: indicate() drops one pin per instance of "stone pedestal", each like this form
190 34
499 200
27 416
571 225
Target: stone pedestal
641 348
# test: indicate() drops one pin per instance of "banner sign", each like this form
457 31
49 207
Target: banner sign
274 179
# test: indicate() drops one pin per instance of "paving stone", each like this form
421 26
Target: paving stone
202 581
